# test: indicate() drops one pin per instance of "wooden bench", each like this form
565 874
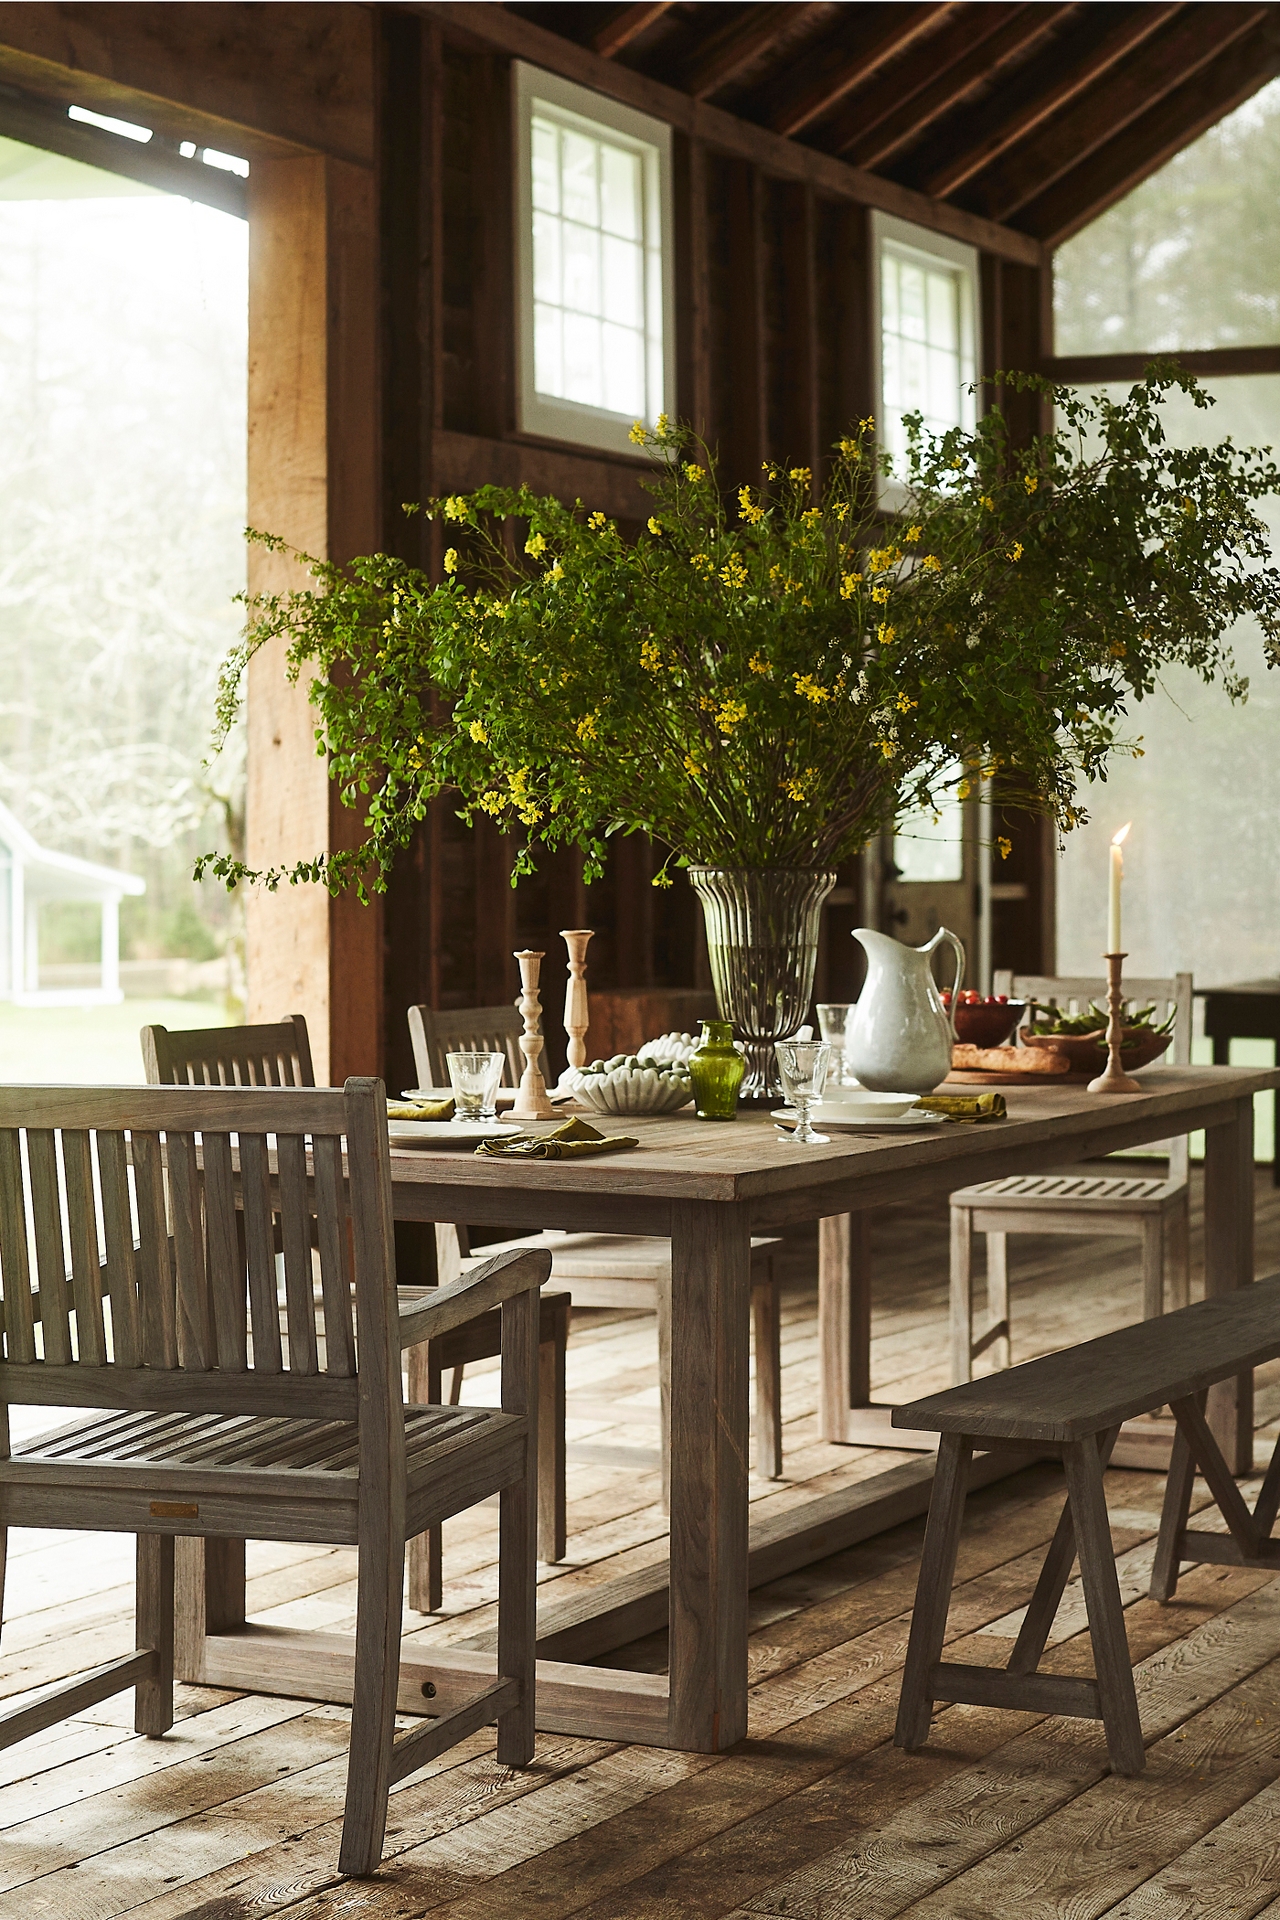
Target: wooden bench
1071 1405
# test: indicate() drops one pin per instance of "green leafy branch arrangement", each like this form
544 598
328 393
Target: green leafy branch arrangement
767 679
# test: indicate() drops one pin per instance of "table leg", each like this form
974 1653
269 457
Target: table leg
846 1412
1228 1264
710 1352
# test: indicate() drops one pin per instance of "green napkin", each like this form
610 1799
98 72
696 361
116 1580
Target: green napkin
420 1109
965 1106
574 1138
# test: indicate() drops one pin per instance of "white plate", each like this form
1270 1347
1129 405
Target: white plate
505 1096
447 1133
826 1123
863 1105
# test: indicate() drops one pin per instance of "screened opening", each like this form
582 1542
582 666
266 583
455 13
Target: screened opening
928 299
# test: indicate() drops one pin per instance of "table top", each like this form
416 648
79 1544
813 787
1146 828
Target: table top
748 1159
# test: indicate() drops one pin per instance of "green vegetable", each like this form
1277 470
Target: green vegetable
1047 1019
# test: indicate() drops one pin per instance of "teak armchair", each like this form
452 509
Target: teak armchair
208 1424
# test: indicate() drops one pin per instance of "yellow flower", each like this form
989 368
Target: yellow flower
731 714
913 533
931 563
733 572
880 595
849 448
535 544
650 655
887 748
694 472
597 521
451 560
636 434
702 563
868 425
1005 846
477 732
491 803
692 766
662 426
1030 482
811 516
801 476
884 634
810 689
905 703
655 525
801 785
455 507
1118 650
758 664
988 503
557 572
747 507
1015 551
849 585
881 559
586 728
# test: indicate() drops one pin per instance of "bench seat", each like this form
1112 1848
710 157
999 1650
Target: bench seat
1072 1404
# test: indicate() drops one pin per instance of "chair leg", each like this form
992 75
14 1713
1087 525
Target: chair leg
1178 1489
518 1534
1178 1252
379 1591
552 1518
1111 1659
455 1386
998 1297
153 1617
767 1326
1152 1267
664 1386
426 1571
933 1590
961 1295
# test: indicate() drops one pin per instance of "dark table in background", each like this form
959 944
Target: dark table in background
1248 1010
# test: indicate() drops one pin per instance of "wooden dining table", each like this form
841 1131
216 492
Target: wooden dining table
708 1188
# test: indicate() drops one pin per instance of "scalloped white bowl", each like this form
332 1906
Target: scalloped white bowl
632 1090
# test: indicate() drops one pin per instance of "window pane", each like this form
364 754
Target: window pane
620 192
546 258
929 846
622 282
546 166
911 295
578 178
548 354
581 269
944 330
623 369
582 367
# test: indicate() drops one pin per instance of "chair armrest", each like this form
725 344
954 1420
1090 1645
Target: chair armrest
486 1286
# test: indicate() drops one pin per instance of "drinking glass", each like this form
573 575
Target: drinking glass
474 1078
833 1019
803 1065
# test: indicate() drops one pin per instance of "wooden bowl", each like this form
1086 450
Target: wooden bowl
1087 1052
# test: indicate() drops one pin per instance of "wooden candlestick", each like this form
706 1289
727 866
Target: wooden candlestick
575 998
531 1102
1114 1079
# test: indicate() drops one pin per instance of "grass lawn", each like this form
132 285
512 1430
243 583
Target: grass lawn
90 1046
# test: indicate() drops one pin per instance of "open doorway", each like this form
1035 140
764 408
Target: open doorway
123 343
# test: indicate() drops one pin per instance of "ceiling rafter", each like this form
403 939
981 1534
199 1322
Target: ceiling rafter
1143 147
627 24
732 49
1181 50
829 75
900 83
1142 22
874 147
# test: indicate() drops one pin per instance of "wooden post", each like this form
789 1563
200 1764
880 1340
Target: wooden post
313 479
1228 1264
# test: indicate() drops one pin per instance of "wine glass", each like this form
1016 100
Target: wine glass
803 1065
474 1077
834 1020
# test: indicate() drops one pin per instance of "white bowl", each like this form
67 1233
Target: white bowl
626 1089
669 1046
858 1103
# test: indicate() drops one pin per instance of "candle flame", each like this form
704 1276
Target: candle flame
1118 839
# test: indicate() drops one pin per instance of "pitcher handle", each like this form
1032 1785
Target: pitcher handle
957 948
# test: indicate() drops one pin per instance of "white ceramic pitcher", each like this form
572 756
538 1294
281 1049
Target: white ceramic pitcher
902 1035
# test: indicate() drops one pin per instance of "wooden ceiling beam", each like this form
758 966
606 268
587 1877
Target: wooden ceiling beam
732 49
1140 23
1189 44
627 24
829 74
969 26
494 26
1080 196
873 147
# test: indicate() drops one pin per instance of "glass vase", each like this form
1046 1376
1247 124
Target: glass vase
762 944
716 1069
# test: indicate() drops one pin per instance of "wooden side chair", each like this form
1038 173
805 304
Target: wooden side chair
280 1055
1085 1201
616 1270
208 1424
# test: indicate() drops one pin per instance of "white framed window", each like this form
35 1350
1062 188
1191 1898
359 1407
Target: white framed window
593 263
924 327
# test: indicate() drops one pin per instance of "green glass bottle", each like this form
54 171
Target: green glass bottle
716 1069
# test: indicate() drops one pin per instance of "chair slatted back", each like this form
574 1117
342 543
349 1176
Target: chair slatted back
276 1055
1074 994
464 1029
138 1229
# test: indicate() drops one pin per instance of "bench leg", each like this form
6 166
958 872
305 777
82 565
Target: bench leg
1178 1253
664 1387
1268 1503
767 1328
1153 1250
998 1298
961 1295
1042 1609
933 1591
1173 1519
1111 1660
552 1519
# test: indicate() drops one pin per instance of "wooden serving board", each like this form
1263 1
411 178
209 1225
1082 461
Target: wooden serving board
964 1077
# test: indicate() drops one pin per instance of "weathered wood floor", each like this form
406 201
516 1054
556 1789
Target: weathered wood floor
235 1814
